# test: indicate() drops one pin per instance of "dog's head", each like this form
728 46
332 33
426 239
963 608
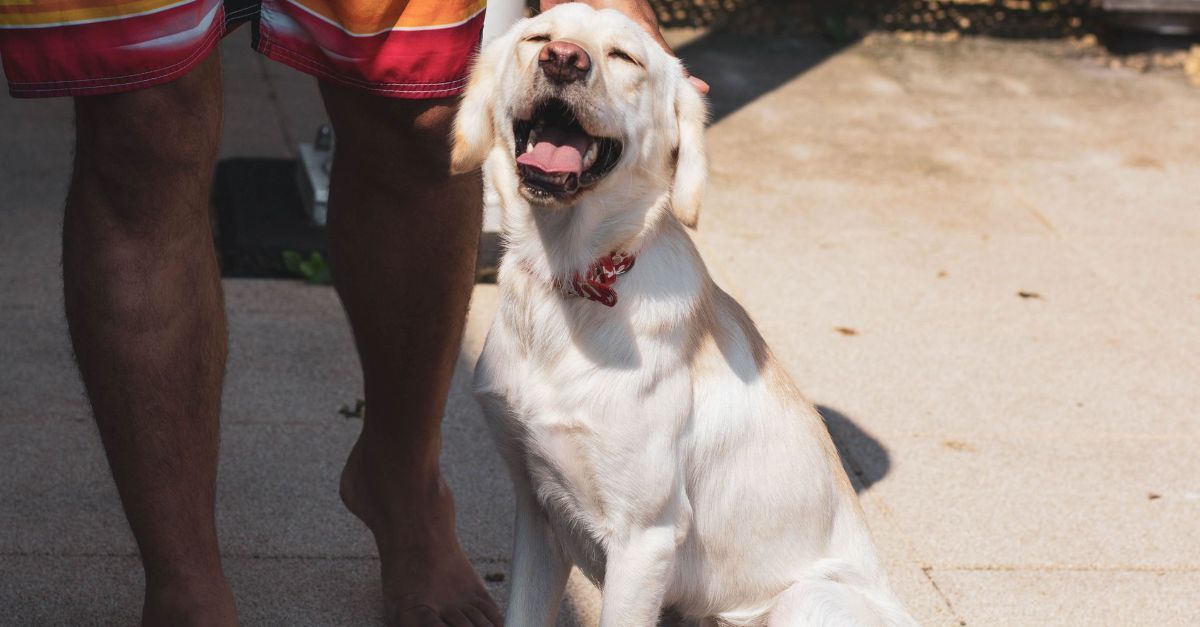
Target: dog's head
577 100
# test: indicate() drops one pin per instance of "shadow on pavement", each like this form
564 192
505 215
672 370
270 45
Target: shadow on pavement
863 457
741 68
843 19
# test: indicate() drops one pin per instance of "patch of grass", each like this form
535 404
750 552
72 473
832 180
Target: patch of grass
314 270
360 408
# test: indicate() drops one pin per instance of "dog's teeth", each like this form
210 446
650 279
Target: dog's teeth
533 137
589 157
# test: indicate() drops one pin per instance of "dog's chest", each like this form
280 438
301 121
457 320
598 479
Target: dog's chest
580 433
571 456
567 469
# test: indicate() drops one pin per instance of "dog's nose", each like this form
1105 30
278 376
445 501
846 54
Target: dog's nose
564 62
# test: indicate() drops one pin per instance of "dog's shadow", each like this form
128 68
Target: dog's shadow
865 459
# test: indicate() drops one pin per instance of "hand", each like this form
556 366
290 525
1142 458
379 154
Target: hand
640 12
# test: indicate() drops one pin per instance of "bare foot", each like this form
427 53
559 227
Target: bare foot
204 602
427 579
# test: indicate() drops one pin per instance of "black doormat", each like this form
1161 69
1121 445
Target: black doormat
260 216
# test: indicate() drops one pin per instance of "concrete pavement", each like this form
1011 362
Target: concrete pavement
979 257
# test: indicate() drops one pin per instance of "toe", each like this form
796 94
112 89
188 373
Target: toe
419 616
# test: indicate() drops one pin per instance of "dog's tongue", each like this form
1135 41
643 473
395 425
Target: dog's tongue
556 151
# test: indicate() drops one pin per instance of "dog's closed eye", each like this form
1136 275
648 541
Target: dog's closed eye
617 53
537 38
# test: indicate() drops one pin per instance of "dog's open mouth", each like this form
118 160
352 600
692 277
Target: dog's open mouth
556 157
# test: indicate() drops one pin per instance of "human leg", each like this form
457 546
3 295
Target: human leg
144 308
403 237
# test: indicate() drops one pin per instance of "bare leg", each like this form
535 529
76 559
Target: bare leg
403 235
143 302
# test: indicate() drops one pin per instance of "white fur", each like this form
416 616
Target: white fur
657 445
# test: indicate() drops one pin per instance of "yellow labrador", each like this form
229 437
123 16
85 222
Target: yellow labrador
653 439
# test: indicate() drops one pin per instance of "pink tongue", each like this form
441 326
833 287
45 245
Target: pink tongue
557 151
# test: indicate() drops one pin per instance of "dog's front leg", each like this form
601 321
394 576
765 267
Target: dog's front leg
636 576
540 567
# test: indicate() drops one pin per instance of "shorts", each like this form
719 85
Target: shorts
396 48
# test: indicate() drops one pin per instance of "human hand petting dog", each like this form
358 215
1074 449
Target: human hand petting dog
639 11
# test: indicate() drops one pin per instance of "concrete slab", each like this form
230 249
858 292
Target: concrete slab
291 353
1053 500
298 101
35 162
107 590
61 591
906 321
277 487
1073 598
253 122
40 381
908 575
58 495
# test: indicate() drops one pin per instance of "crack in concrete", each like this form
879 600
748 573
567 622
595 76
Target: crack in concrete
488 560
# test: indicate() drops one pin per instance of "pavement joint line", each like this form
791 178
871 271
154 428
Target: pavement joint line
909 546
928 572
485 560
86 554
1039 435
1018 568
911 551
41 418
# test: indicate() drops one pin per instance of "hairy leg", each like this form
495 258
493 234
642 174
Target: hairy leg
403 237
144 307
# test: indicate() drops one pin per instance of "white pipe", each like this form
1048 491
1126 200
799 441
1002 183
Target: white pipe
501 14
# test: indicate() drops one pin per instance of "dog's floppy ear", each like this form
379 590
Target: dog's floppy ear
474 125
691 165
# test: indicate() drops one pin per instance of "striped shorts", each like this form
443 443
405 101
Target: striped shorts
395 48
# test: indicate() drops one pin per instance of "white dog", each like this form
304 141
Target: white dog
653 439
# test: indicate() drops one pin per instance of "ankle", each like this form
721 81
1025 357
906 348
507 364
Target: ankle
191 600
389 457
382 489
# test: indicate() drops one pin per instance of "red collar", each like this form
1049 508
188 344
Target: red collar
597 284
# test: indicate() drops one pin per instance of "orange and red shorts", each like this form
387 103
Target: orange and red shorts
397 48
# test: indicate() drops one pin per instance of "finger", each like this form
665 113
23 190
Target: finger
651 26
477 617
455 618
491 611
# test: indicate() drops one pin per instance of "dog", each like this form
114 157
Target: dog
653 440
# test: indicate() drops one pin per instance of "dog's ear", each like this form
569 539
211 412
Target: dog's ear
474 125
691 165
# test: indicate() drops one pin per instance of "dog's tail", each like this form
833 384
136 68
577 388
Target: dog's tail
835 593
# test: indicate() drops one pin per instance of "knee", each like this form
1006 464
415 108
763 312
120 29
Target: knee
393 140
170 130
146 157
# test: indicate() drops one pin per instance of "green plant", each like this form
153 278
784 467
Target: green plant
314 270
359 410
